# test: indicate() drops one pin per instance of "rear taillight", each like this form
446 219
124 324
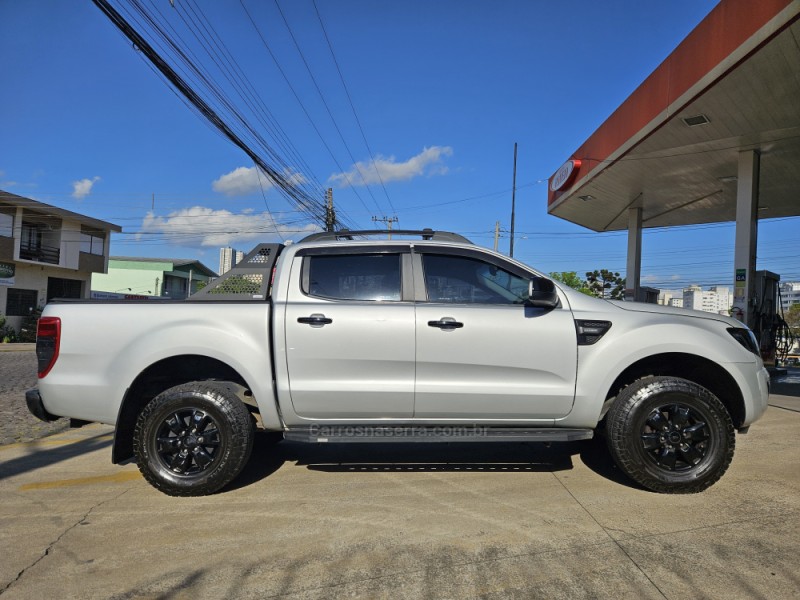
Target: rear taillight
48 338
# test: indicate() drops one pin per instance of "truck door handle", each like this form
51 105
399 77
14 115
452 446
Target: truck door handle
315 320
446 323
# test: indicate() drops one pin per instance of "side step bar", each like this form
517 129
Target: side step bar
339 434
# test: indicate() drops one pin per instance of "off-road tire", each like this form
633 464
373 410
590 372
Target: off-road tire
670 435
194 438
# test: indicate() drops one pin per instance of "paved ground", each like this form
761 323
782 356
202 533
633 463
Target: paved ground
18 374
374 521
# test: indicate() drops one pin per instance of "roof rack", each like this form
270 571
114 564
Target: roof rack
426 234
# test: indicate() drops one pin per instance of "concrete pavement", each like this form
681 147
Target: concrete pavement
381 521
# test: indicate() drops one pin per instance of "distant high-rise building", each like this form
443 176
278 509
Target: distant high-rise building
716 300
228 258
790 294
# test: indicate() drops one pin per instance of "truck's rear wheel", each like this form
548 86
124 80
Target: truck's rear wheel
670 435
193 439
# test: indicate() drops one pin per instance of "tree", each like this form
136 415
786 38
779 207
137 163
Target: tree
27 331
792 318
606 284
571 279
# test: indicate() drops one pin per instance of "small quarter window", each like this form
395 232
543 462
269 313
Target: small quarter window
353 277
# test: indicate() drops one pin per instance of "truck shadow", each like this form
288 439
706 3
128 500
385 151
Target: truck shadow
41 454
498 457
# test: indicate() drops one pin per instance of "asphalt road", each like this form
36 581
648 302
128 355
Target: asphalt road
380 521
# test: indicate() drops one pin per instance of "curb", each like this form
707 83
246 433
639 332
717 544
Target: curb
17 347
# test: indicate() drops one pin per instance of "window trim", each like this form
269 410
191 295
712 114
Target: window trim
478 255
421 287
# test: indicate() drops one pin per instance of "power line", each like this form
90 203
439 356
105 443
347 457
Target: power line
352 106
236 76
322 97
302 106
285 186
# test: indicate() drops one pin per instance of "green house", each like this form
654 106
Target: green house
166 277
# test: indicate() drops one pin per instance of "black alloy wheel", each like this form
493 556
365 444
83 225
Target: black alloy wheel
195 438
188 441
676 437
670 435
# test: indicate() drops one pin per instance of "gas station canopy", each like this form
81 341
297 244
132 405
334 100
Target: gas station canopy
673 148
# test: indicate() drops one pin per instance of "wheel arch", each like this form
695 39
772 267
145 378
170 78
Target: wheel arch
156 378
698 369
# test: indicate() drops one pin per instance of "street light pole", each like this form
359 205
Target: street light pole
513 202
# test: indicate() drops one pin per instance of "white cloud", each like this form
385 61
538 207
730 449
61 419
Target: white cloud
428 162
201 226
245 180
83 187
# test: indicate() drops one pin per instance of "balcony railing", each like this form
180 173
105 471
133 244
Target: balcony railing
43 254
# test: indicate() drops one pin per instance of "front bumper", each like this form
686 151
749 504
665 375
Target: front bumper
34 401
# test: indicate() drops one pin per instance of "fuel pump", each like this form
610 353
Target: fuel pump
768 323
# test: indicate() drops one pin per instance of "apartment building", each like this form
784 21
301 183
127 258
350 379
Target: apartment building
228 258
790 294
46 252
717 299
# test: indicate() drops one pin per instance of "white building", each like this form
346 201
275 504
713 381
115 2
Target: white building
718 299
669 298
46 252
228 258
790 294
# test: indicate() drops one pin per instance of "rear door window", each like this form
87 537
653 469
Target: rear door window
374 277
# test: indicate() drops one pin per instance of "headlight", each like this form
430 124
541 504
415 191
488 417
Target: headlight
746 338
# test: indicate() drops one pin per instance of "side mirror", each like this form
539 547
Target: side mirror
542 293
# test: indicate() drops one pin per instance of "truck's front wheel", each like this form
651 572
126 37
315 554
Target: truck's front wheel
670 435
193 439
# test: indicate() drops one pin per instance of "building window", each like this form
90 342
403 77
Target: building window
92 243
38 245
63 288
20 303
6 225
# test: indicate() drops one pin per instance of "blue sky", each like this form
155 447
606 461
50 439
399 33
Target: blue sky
442 91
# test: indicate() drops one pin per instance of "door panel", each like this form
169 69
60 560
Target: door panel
483 354
350 357
508 362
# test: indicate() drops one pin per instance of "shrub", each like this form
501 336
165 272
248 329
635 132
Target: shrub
7 333
27 331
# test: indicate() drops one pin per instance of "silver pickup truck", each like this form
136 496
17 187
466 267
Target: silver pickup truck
421 338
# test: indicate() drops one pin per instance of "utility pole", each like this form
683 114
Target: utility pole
330 213
513 201
388 221
496 234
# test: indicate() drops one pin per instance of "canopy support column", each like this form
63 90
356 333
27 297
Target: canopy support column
746 236
633 274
